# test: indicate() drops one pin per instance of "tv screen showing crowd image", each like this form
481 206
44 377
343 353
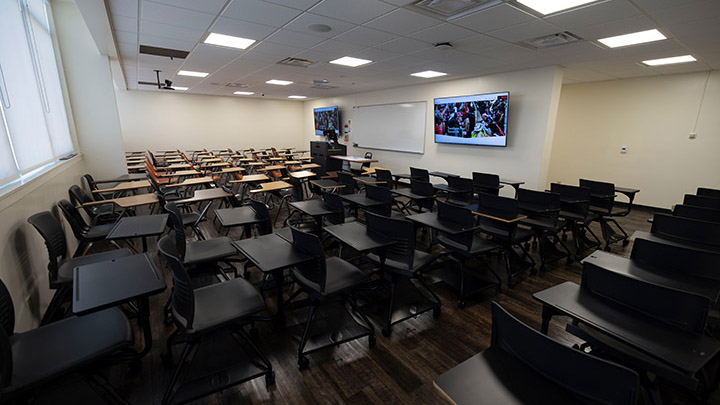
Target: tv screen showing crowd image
326 118
480 119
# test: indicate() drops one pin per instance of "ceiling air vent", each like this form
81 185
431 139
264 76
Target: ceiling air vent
552 40
447 9
296 62
237 85
322 85
166 52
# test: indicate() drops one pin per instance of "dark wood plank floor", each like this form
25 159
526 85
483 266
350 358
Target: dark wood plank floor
398 370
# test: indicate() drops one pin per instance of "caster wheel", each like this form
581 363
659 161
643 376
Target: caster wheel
606 248
386 332
625 242
372 340
461 304
436 312
270 379
303 363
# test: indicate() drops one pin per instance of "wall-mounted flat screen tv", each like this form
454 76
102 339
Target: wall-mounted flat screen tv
326 118
480 119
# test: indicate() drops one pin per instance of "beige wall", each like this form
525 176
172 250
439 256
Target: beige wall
653 117
533 100
167 120
23 256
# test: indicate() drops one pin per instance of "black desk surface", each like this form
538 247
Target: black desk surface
326 183
537 208
405 192
443 174
142 225
683 350
431 220
495 377
271 252
673 279
357 236
666 240
313 208
237 216
361 200
106 284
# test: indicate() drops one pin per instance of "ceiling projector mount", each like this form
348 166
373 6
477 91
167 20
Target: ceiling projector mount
168 83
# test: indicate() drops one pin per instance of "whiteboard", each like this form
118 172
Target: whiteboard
398 127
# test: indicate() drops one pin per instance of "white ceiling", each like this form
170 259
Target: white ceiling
399 41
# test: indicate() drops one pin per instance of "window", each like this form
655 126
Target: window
33 123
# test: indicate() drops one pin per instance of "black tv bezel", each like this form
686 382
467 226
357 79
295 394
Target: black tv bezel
337 110
507 123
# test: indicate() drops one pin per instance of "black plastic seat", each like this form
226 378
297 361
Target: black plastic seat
86 234
231 304
702 201
386 176
321 279
347 180
708 192
335 203
575 209
32 358
187 215
703 214
401 259
486 183
460 191
543 217
602 203
383 195
97 213
522 366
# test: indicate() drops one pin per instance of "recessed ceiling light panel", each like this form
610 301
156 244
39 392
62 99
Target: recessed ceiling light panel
279 82
428 74
244 93
228 41
632 39
546 7
670 61
297 97
193 74
350 61
180 88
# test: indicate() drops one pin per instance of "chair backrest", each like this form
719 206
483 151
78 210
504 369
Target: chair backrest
399 230
702 201
386 176
368 155
76 221
420 174
703 214
602 194
52 233
381 194
264 227
90 182
486 183
347 180
183 296
7 327
178 228
460 216
673 258
585 375
335 203
297 189
313 270
78 196
686 229
464 184
708 192
232 198
424 188
575 193
676 307
546 205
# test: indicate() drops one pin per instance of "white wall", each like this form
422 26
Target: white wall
533 100
166 120
90 86
653 117
23 256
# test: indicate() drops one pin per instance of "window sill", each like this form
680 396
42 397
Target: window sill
22 187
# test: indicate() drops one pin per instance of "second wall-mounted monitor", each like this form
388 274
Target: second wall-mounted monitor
326 118
479 119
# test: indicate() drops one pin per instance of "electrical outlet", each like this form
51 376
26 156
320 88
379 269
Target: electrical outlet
693 135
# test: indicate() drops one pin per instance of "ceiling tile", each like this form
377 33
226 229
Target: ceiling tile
293 38
277 51
125 8
494 18
126 37
301 24
169 31
593 14
577 52
128 52
298 4
336 47
353 11
687 13
477 43
206 6
261 12
617 27
374 54
443 33
402 22
366 36
237 69
525 31
126 24
209 58
586 75
651 6
181 17
404 45
244 29
162 42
